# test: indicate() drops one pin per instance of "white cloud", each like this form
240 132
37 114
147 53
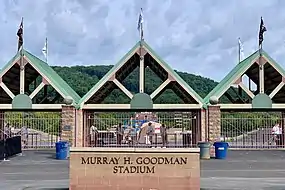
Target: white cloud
196 36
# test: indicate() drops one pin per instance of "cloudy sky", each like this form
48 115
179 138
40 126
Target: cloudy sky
196 36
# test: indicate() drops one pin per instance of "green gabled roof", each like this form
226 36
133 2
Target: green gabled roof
177 77
105 77
45 69
121 63
274 63
239 69
10 62
52 76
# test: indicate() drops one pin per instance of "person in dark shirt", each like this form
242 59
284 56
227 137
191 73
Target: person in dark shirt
133 135
163 133
120 134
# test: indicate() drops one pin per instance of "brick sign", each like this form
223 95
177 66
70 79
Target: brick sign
139 165
125 169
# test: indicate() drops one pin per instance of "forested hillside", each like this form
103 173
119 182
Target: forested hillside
83 78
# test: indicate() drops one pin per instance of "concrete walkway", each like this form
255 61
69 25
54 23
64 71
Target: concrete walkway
256 170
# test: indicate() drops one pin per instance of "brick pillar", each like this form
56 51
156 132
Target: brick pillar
214 123
68 123
195 128
2 124
283 128
79 131
203 120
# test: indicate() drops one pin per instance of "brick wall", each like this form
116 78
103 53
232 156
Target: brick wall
124 169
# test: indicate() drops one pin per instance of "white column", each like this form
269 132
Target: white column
142 74
22 76
261 76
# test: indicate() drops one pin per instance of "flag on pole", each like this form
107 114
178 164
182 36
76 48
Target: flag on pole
44 50
140 24
262 29
241 52
20 35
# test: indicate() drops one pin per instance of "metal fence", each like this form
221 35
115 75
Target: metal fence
37 129
127 129
252 129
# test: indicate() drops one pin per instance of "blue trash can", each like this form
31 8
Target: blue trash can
221 149
62 150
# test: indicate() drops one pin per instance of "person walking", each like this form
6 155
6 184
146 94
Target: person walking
24 136
93 136
149 132
133 135
277 132
120 134
163 133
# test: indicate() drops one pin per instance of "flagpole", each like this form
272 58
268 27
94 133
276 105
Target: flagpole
141 35
261 33
22 67
22 46
46 50
141 39
238 50
22 21
261 67
142 65
141 29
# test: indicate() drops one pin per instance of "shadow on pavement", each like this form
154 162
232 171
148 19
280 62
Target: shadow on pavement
49 154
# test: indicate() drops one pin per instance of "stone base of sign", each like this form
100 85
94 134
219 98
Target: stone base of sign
134 169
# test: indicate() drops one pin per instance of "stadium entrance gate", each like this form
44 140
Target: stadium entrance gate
37 129
253 130
183 128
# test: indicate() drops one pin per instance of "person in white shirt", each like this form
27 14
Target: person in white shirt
277 132
24 135
93 135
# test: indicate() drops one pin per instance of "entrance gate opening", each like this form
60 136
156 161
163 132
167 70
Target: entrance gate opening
255 130
102 128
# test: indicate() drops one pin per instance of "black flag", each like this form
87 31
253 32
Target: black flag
262 29
20 35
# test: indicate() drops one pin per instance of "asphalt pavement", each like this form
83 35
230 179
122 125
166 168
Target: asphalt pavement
34 170
256 170
253 170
